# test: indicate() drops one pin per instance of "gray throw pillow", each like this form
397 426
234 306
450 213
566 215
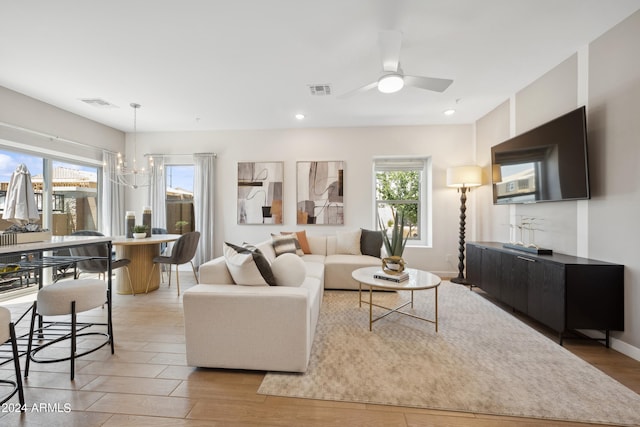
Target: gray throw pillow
371 242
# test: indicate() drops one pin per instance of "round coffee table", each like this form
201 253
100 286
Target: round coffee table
418 280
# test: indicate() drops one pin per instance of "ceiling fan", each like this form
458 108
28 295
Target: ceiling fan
393 79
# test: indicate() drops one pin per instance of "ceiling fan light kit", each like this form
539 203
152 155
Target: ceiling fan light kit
394 79
390 83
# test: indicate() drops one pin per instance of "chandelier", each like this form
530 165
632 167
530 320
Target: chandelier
130 175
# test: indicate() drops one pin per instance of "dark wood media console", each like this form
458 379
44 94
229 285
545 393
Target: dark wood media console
563 292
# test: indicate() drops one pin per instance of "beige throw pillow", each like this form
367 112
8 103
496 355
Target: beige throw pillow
348 242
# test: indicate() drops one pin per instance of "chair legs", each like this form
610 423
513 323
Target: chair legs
72 356
193 267
17 384
60 333
126 268
150 276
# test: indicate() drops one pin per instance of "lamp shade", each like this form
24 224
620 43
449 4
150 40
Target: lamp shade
464 176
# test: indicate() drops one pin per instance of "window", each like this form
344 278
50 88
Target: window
402 184
180 210
74 198
74 191
9 161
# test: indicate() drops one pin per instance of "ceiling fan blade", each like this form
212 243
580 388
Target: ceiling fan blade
390 43
359 90
428 83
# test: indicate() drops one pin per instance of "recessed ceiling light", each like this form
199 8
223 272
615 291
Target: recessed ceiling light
449 112
299 116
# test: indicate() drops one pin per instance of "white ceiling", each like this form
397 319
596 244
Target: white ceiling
246 64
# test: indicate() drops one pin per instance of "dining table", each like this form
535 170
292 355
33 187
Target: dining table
141 253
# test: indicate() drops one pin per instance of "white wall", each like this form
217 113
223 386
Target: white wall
614 155
447 145
24 112
603 227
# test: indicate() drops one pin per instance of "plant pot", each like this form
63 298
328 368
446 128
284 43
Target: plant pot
139 235
393 265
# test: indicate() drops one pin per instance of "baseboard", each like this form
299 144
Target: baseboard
616 344
445 275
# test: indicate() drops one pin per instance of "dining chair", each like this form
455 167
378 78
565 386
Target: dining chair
183 251
163 246
100 253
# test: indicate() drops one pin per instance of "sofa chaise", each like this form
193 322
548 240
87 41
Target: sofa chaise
239 326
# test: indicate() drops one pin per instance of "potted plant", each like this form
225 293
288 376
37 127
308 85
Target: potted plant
394 241
180 226
139 231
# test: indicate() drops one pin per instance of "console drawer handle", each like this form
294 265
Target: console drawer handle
527 259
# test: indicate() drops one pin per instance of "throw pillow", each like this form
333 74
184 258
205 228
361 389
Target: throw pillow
348 242
289 270
287 243
302 239
266 247
247 265
371 242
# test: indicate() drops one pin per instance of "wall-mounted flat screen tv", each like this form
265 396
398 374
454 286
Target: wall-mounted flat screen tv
548 163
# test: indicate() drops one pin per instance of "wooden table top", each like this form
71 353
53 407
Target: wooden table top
154 239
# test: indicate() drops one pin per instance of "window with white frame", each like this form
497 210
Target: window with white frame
402 184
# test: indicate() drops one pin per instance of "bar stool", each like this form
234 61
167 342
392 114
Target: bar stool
67 298
8 334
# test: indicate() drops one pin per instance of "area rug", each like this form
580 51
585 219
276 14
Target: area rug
481 360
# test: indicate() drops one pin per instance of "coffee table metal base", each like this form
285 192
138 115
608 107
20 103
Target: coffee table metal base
396 309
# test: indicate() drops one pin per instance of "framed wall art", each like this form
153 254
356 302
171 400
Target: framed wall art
260 192
320 187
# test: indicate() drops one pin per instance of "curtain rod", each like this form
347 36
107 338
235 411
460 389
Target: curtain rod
177 154
53 137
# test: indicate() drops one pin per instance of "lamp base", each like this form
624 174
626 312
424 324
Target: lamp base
462 281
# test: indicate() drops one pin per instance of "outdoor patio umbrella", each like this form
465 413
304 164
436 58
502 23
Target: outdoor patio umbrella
20 202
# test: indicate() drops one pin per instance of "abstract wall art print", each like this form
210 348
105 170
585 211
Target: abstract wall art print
260 192
320 187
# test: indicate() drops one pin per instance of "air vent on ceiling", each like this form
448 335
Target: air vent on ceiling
320 90
98 103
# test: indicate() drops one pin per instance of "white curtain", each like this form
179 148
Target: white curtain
203 193
112 197
158 194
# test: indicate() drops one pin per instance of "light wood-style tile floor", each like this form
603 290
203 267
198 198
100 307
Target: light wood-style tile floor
147 382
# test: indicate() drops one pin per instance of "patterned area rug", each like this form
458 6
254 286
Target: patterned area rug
482 360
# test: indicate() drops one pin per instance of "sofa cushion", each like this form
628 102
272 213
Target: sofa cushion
289 270
286 244
318 259
314 268
247 265
338 269
317 244
302 240
348 242
371 242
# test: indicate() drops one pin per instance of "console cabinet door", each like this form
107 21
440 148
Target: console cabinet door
516 271
474 264
546 294
484 269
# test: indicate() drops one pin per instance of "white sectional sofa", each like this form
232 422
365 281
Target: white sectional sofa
271 328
